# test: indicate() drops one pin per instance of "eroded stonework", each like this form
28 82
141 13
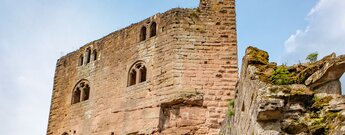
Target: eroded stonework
303 99
172 73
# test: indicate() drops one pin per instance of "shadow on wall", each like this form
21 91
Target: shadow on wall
342 80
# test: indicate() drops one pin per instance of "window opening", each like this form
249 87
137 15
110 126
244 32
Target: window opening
94 55
81 60
132 77
153 29
81 92
143 33
76 96
137 74
88 55
86 92
143 74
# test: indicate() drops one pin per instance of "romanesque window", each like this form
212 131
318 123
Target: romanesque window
81 60
143 33
137 74
153 29
94 55
88 55
132 77
81 92
76 96
142 74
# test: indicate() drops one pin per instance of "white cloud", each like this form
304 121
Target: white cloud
325 32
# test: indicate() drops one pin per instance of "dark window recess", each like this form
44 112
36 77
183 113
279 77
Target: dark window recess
143 74
76 96
94 55
81 60
143 33
153 29
132 77
137 74
243 107
86 93
88 55
81 92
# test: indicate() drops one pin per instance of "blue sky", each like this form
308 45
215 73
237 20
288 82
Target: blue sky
35 33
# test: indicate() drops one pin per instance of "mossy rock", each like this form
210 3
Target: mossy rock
301 91
303 75
323 125
231 111
320 103
295 128
265 72
282 76
257 56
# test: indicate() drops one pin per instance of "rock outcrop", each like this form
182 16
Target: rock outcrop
278 100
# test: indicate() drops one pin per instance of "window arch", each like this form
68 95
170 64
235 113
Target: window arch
81 92
81 60
142 74
88 55
153 29
132 77
76 96
143 33
137 73
65 133
94 55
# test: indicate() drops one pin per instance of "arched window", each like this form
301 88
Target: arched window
81 92
86 92
132 77
94 55
88 55
143 74
137 74
143 33
153 29
76 96
81 60
64 133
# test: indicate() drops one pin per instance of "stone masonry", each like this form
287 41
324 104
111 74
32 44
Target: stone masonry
302 99
171 73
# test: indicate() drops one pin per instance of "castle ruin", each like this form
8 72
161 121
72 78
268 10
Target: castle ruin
172 73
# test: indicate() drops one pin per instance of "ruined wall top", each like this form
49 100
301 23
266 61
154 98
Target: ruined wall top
302 99
214 3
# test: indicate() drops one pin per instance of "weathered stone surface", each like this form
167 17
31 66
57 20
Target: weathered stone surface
265 106
270 109
256 56
332 69
331 87
190 74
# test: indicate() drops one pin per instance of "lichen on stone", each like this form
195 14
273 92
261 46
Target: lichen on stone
230 111
319 103
257 56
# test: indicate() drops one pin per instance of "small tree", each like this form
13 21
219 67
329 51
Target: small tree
312 57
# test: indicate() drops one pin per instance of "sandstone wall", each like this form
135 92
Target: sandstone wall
191 73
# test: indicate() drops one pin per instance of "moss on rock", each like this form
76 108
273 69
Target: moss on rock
320 103
257 56
281 76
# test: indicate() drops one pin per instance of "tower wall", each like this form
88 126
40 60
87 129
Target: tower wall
191 71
